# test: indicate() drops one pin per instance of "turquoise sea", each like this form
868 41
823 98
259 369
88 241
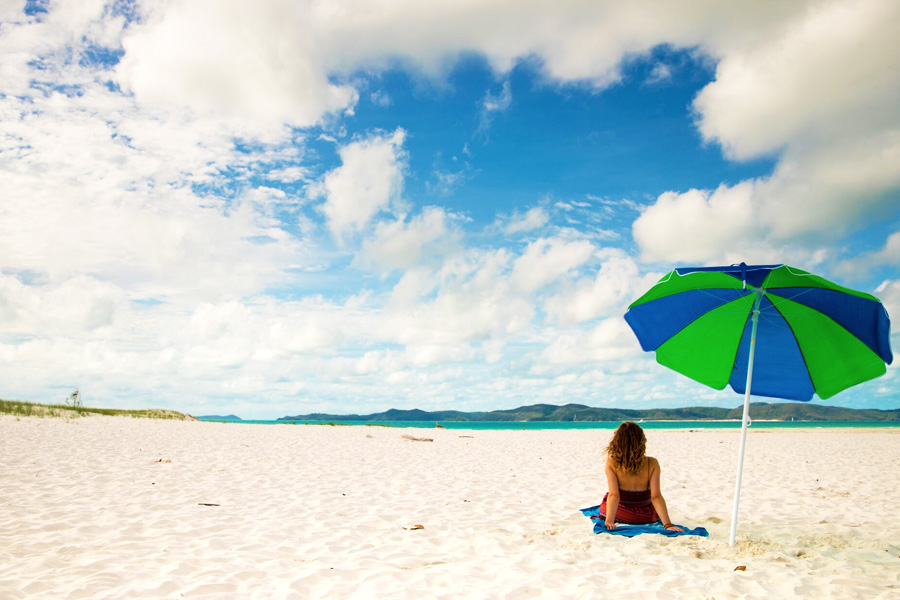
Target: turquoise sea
534 425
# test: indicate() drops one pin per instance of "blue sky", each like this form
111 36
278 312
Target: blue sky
285 207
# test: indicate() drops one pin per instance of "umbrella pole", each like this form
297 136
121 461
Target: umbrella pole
745 421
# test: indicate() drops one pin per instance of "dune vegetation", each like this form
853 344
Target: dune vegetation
31 409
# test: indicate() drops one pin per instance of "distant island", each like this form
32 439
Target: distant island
798 411
219 418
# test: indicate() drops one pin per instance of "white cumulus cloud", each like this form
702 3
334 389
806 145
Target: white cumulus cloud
369 181
818 90
697 226
402 244
611 339
254 61
617 282
78 306
546 260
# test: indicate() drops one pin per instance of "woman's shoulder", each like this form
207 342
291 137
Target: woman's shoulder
654 464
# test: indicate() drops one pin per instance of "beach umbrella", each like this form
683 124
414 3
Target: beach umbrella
765 330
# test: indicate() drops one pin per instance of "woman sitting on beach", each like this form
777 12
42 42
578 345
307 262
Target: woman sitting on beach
633 480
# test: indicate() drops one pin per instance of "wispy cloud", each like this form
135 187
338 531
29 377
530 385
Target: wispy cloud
660 73
533 219
444 183
492 104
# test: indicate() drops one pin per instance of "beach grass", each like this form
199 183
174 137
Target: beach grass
32 409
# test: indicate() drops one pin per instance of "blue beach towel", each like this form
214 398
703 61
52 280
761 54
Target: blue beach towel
632 530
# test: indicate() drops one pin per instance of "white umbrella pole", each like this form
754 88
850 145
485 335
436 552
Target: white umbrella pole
745 421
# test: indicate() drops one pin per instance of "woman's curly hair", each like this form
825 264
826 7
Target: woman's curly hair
627 447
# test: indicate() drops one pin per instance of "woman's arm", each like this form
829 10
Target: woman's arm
656 497
612 499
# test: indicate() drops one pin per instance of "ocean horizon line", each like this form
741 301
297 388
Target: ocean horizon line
568 425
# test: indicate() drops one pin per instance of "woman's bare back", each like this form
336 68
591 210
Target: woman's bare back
639 481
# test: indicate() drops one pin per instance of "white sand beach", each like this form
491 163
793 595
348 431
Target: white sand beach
103 507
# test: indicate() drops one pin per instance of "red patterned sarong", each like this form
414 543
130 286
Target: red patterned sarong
635 508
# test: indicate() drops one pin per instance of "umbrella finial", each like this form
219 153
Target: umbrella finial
744 274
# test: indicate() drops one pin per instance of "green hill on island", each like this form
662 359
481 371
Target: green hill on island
571 412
